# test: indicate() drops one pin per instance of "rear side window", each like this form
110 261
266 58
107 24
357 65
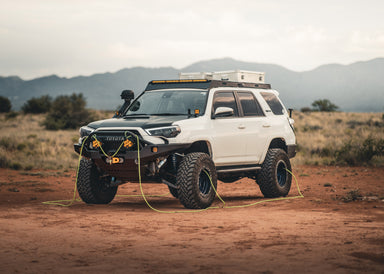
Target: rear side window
225 99
249 104
274 103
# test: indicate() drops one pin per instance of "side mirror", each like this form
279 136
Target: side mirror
127 95
223 112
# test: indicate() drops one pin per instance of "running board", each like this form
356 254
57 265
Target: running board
223 169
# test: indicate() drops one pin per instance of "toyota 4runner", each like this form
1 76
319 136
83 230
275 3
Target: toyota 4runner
187 134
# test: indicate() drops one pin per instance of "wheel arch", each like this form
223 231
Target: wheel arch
200 146
277 142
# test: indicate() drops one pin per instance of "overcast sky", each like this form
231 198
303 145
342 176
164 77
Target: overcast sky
83 37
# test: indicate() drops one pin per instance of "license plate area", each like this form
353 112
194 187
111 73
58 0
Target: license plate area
114 160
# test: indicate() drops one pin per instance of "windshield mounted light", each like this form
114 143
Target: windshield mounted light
167 132
85 131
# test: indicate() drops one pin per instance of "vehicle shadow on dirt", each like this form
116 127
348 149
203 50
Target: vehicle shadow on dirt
169 203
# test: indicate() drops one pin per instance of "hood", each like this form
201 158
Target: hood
148 122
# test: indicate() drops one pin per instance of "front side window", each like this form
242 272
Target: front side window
274 103
225 99
169 102
249 104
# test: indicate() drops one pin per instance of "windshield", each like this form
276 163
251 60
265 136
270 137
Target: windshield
169 102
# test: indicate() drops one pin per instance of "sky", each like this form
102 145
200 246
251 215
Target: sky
84 37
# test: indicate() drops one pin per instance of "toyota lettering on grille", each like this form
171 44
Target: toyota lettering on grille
113 138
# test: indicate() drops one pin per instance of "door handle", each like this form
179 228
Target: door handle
241 127
266 125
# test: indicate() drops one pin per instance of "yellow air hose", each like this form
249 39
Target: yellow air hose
74 199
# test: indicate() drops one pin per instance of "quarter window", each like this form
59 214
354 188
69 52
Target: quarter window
274 103
249 104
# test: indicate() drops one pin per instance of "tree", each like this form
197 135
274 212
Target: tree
5 105
67 112
38 105
324 105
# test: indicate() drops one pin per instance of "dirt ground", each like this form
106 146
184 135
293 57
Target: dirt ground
338 227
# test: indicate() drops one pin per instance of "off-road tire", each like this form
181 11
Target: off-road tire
195 177
273 179
173 191
92 188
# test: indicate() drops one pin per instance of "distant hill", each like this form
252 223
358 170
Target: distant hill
358 87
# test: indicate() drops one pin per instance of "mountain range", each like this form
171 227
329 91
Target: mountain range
357 87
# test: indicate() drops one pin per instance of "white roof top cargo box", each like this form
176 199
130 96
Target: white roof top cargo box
230 75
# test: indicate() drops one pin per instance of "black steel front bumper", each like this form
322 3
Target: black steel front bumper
147 153
128 168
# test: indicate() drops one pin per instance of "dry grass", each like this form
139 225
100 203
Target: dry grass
321 136
25 144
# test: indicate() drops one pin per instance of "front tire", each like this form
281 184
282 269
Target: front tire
173 191
93 187
197 181
274 180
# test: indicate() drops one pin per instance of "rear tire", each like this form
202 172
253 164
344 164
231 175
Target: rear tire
195 177
94 188
274 180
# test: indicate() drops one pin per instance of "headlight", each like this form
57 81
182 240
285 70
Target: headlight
168 132
85 131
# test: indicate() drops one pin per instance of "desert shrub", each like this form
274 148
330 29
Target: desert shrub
11 115
352 195
311 128
306 109
7 143
67 112
21 146
4 162
15 166
358 153
5 105
38 105
353 124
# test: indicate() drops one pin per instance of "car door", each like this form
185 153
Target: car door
253 124
228 141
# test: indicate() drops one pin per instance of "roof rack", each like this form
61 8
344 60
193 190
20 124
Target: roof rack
241 76
200 84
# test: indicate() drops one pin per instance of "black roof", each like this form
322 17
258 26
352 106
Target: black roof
200 84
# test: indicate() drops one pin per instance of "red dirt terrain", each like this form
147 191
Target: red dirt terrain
338 227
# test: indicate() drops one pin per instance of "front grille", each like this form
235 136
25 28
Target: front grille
111 141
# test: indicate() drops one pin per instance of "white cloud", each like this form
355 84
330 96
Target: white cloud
361 41
84 37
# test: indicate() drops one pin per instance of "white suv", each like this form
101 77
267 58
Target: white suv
187 134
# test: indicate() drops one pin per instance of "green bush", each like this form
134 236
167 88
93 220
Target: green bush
67 112
38 105
359 153
5 105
